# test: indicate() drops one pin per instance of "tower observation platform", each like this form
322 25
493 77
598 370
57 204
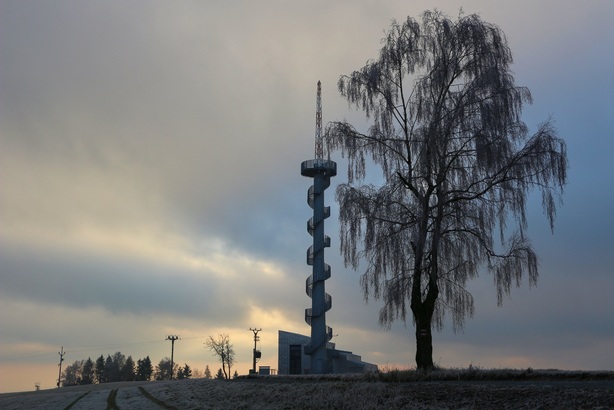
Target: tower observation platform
312 167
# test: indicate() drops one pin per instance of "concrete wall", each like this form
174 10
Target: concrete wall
285 339
341 361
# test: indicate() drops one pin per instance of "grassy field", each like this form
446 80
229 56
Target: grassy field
459 389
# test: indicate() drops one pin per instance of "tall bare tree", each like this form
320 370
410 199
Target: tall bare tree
457 163
223 349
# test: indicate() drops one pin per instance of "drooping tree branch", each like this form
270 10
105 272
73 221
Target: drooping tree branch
458 166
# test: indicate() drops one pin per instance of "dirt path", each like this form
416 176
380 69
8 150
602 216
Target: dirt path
111 396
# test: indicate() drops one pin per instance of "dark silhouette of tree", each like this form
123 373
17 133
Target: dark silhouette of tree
207 372
87 372
222 348
99 370
112 369
163 369
184 372
113 366
72 374
144 369
111 373
457 163
127 372
220 375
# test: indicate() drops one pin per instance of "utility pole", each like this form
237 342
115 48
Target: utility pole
257 353
61 353
172 338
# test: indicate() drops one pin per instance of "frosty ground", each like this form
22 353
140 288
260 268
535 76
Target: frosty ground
579 390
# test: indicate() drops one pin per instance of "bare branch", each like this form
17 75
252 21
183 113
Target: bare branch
458 164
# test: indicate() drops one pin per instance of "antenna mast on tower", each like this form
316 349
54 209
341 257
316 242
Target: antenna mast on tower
319 147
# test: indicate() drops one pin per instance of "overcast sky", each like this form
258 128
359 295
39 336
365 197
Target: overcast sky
150 182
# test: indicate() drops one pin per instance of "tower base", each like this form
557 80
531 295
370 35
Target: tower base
293 360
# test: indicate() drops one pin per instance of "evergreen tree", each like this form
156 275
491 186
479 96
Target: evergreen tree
109 371
207 372
99 371
186 371
87 373
144 369
127 371
220 375
118 361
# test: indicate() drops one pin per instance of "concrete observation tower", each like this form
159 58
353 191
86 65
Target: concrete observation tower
316 354
321 170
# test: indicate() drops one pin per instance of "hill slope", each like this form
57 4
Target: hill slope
319 393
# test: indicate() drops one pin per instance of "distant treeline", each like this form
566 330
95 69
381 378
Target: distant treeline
119 368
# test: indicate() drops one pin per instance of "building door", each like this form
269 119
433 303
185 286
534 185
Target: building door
296 353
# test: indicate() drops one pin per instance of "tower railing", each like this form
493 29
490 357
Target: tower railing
312 166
